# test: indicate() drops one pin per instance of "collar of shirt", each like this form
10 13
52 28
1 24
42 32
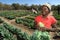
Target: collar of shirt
46 17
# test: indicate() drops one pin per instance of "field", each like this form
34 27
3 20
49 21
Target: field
19 24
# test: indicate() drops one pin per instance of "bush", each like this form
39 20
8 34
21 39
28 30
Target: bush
57 17
10 17
26 22
1 21
6 35
18 32
39 35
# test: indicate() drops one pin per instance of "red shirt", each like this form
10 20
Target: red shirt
48 21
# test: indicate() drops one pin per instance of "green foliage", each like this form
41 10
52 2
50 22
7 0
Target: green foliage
10 17
15 13
30 17
25 21
57 17
17 31
1 21
8 31
39 35
6 34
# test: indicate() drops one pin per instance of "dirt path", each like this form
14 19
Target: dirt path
25 16
22 27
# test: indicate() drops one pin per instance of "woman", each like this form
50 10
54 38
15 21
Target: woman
45 21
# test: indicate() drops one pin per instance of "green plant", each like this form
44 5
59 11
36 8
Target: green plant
57 17
39 35
25 21
30 17
1 21
17 31
10 17
6 34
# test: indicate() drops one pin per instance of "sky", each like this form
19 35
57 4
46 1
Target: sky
30 2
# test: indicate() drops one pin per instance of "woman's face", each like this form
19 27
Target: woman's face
45 10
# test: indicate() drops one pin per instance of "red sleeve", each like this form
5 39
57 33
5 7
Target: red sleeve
53 20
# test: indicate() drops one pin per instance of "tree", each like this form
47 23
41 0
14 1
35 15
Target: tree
58 9
16 6
7 7
1 6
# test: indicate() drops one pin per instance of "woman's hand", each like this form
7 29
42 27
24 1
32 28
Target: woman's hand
41 28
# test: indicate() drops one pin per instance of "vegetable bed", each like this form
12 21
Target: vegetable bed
7 33
25 21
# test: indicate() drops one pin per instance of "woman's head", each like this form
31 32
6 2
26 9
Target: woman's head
46 8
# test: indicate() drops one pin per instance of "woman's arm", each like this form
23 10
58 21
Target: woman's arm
54 27
45 29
